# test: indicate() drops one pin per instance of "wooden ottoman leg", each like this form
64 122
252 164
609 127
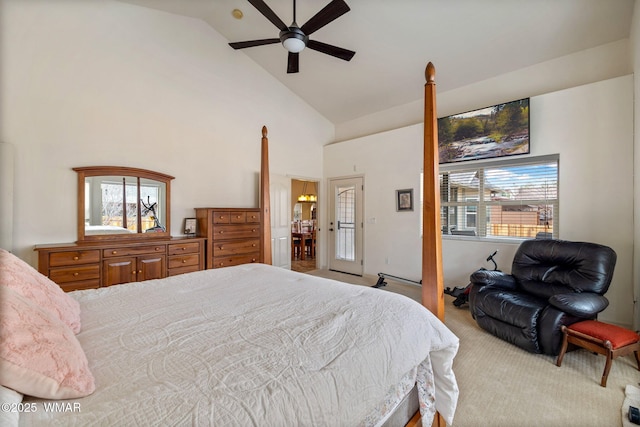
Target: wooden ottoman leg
607 366
563 349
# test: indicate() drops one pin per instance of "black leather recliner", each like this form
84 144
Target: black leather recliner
552 283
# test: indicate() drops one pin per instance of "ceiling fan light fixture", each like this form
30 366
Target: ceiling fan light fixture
294 40
293 45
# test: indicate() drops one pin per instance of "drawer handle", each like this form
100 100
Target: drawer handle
139 271
76 274
238 217
221 232
221 264
253 260
114 252
158 249
221 216
183 248
221 247
133 272
253 231
184 261
254 245
75 258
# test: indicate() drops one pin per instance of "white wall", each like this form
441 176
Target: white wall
6 195
589 126
98 82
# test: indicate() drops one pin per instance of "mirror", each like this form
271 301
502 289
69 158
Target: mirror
122 203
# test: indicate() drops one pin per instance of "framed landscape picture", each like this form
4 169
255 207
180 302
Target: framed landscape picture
497 131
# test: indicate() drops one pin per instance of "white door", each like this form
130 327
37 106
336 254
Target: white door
345 225
280 192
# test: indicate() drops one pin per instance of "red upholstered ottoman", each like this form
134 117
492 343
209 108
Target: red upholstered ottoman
602 338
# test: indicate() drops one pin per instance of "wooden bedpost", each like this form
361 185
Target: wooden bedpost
265 199
432 281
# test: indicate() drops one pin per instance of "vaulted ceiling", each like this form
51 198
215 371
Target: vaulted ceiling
467 40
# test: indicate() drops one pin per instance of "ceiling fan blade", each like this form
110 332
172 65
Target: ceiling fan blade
269 14
293 63
336 51
329 13
252 43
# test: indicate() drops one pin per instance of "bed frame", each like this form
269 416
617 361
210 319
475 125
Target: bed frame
432 280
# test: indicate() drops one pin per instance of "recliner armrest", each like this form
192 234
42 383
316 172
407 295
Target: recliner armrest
495 279
584 304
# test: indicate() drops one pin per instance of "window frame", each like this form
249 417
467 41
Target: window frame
482 206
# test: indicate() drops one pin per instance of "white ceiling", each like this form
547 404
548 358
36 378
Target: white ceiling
467 40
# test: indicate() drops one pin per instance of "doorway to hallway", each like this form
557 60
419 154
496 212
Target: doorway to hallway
304 225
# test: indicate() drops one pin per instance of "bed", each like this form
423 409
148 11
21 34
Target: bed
247 345
254 345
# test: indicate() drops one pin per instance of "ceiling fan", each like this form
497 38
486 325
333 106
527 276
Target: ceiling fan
295 38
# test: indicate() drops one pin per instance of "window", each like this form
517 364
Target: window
509 198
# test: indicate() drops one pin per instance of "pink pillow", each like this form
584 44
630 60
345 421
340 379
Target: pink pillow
39 355
25 280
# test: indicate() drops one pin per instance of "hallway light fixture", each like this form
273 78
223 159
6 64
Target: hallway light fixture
306 197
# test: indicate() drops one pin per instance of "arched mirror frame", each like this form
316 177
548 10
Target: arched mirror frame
89 171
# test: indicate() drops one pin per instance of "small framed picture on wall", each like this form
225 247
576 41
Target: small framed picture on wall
404 200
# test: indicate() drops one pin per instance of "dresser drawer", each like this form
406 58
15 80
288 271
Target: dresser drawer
235 232
182 270
73 274
221 217
183 261
184 248
253 217
58 259
80 285
219 262
238 217
136 250
235 248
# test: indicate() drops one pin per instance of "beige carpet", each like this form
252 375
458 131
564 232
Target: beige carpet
502 385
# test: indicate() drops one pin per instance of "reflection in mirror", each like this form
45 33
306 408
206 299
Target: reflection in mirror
122 203
152 200
114 202
111 206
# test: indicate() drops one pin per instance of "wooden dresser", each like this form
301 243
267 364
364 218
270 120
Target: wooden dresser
76 266
233 235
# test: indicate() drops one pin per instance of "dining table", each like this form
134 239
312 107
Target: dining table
303 236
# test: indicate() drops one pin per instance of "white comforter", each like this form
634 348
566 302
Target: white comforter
256 345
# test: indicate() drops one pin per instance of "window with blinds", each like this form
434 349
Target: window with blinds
512 198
